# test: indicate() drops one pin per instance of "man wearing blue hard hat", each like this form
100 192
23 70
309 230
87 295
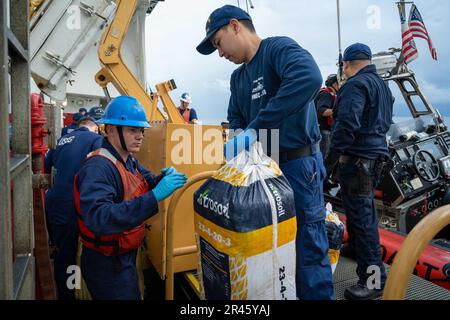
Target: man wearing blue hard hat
64 162
274 88
359 150
114 196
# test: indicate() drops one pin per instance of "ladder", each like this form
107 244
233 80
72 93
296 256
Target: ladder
16 213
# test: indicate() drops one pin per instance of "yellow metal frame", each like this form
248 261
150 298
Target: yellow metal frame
115 71
193 282
410 251
163 92
171 253
158 144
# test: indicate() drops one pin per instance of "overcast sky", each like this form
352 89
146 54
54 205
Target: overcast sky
175 28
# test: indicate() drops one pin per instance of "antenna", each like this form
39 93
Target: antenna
339 40
247 2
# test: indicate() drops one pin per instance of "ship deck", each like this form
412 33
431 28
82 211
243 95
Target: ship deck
418 288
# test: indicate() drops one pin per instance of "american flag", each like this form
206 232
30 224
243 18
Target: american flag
409 49
418 29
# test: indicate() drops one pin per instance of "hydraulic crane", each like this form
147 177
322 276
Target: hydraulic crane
170 142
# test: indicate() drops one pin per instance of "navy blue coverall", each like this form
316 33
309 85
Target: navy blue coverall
104 212
364 115
275 90
66 159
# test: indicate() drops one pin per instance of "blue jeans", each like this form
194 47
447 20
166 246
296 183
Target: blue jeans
357 193
313 271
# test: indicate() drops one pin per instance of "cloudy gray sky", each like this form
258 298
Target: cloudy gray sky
176 27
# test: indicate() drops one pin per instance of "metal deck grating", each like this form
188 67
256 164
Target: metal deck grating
418 288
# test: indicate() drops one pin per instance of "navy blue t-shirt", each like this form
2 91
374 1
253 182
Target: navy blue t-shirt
276 90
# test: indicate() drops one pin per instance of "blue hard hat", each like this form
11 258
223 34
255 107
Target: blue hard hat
218 19
125 111
96 113
357 51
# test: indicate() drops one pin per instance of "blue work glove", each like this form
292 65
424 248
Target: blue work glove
242 141
167 171
168 184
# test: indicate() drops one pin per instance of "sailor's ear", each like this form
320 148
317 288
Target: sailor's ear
235 25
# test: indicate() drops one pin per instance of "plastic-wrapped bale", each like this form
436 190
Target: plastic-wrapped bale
245 225
335 234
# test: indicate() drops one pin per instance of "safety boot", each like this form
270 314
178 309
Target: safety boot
361 292
347 252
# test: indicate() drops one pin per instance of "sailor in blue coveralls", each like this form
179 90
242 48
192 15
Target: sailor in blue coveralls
65 160
358 145
274 88
114 197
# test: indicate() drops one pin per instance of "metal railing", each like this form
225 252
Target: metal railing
410 251
170 252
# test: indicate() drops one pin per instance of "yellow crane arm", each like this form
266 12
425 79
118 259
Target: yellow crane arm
115 71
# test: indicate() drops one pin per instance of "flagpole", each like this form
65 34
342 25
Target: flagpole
403 11
402 4
438 117
401 58
339 40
